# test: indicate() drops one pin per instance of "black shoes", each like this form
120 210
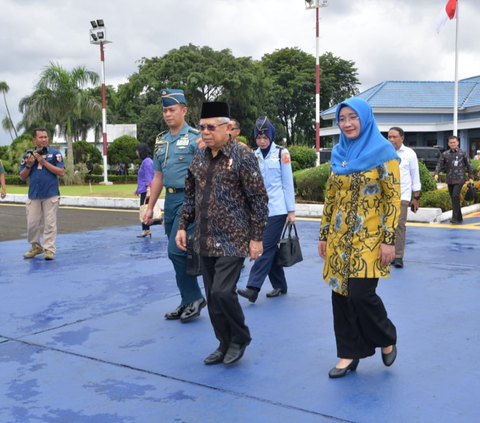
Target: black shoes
234 353
175 315
215 358
193 310
398 262
335 373
277 292
455 221
248 293
388 359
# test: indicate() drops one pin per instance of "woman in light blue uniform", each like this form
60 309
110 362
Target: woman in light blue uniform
276 168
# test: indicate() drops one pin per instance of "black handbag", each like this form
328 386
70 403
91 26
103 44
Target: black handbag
470 194
193 259
289 252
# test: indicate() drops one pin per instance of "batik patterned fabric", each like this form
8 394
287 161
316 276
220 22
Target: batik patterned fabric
226 197
361 212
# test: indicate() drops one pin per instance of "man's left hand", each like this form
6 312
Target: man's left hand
181 239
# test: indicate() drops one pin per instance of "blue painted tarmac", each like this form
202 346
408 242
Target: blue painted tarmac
83 338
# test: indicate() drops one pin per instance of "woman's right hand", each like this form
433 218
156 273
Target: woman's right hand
322 249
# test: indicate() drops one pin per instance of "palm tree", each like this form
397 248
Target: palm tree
61 96
7 126
4 88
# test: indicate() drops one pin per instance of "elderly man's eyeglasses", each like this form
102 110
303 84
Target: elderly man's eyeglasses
235 129
343 121
210 128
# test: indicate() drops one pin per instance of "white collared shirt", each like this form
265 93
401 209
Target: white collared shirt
409 173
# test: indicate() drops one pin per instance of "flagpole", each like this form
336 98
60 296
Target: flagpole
455 91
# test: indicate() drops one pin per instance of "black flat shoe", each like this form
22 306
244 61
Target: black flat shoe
193 310
235 352
335 373
276 292
388 359
215 358
175 315
248 293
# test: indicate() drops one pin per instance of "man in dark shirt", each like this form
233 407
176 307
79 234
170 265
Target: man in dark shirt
226 196
454 162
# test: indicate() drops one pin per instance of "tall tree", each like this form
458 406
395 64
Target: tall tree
205 75
4 89
61 95
293 75
338 80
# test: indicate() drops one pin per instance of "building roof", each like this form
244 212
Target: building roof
421 95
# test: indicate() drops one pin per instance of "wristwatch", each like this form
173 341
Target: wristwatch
28 167
416 197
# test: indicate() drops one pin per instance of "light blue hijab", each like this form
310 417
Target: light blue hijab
369 150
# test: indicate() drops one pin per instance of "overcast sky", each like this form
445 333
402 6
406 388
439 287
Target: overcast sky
387 39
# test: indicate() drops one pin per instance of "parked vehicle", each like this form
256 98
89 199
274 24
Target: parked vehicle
429 155
325 155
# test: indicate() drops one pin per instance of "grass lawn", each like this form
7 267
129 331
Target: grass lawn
95 190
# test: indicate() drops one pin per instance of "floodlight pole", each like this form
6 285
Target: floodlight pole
94 34
315 4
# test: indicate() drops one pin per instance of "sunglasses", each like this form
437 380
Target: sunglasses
210 128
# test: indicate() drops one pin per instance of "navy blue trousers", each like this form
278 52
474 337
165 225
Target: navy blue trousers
187 285
265 265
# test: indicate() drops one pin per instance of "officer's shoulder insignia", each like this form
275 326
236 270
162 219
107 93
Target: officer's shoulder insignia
157 140
194 130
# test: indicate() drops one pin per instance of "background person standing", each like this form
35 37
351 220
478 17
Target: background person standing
2 180
174 151
144 181
226 196
43 166
454 162
409 181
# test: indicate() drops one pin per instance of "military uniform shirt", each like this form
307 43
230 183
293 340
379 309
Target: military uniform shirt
174 153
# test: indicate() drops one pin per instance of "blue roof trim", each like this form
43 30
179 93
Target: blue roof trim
420 94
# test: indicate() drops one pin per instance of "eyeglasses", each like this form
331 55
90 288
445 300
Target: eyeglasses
342 120
235 129
210 128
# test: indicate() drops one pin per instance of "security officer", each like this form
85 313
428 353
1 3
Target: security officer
174 151
43 166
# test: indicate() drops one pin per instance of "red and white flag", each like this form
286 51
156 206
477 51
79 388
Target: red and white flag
448 13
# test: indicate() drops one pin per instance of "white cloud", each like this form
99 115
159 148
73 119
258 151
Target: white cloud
387 39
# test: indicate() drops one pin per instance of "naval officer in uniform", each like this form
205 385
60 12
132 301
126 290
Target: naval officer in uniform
174 151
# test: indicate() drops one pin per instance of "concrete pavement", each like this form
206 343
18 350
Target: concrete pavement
83 338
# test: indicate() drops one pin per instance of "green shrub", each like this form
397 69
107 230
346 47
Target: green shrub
426 179
14 180
7 165
437 199
310 183
302 157
112 178
97 170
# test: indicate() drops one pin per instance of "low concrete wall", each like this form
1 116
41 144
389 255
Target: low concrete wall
423 215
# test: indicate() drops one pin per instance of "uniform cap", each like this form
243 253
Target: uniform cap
215 109
264 126
171 97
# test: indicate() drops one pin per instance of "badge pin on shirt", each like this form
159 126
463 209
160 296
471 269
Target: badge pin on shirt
229 164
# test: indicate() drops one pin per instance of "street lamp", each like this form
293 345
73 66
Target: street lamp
317 4
98 35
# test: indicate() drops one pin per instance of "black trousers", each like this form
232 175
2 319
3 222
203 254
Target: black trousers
360 320
220 277
454 190
143 198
